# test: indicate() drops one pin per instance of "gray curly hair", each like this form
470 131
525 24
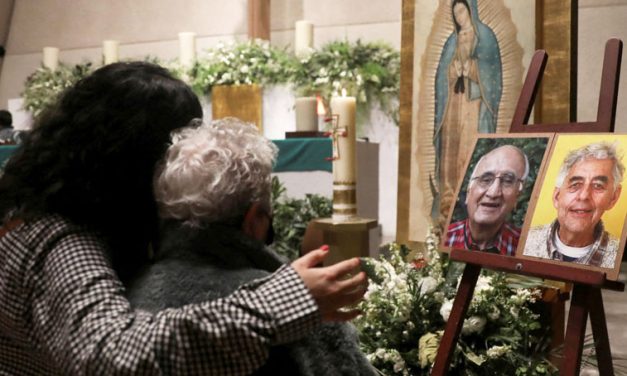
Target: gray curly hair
214 172
598 150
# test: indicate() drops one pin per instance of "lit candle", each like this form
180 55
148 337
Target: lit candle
306 115
187 49
110 51
50 59
344 171
303 40
322 114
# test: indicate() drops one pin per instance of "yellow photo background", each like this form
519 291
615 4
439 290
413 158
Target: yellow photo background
545 212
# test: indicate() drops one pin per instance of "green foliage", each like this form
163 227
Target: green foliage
43 87
409 301
534 149
368 71
291 217
249 62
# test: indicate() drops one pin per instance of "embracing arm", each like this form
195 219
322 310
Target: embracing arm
79 317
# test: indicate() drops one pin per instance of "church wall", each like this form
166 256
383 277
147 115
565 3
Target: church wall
599 20
150 27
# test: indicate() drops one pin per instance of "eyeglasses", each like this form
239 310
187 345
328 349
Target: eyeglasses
507 180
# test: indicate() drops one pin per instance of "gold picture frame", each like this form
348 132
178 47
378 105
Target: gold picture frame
554 20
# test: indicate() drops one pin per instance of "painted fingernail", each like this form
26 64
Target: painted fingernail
324 247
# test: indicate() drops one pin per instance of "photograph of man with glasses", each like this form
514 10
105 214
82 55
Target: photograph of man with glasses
495 184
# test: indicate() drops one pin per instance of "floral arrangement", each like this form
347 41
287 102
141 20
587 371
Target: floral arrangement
407 306
291 216
368 71
249 62
43 87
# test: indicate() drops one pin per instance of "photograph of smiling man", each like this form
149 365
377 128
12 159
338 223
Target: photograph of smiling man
581 212
492 200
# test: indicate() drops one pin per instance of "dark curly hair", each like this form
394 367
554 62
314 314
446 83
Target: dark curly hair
90 157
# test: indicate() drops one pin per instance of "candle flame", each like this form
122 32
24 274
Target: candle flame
320 109
344 92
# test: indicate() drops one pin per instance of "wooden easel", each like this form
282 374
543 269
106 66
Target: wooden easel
586 293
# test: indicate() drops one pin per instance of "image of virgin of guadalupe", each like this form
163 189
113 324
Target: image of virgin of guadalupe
468 89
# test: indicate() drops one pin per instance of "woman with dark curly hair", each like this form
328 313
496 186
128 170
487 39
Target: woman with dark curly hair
78 217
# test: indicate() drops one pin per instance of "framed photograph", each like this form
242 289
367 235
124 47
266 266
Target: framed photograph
579 217
462 67
492 199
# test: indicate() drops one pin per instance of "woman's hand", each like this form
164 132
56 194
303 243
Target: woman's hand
333 287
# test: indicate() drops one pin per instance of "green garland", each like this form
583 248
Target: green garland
250 62
368 71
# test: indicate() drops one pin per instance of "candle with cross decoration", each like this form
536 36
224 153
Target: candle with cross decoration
344 170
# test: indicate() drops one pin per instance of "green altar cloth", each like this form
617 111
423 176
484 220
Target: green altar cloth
5 152
304 154
295 154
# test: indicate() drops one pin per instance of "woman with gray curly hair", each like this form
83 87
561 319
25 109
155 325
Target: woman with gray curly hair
214 194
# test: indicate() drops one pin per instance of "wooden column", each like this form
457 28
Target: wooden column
259 19
556 32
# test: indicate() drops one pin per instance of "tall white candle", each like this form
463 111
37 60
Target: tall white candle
344 169
187 48
303 39
306 114
50 58
110 51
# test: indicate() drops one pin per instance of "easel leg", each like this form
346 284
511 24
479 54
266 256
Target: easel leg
599 330
575 331
456 320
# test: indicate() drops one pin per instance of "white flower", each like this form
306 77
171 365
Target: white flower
483 284
494 314
497 351
244 69
473 324
427 285
445 310
438 296
514 312
399 365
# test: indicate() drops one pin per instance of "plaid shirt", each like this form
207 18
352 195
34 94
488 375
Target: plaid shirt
63 311
505 242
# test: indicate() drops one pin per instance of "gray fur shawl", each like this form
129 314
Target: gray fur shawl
194 265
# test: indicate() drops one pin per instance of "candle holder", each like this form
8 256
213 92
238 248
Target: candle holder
347 239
